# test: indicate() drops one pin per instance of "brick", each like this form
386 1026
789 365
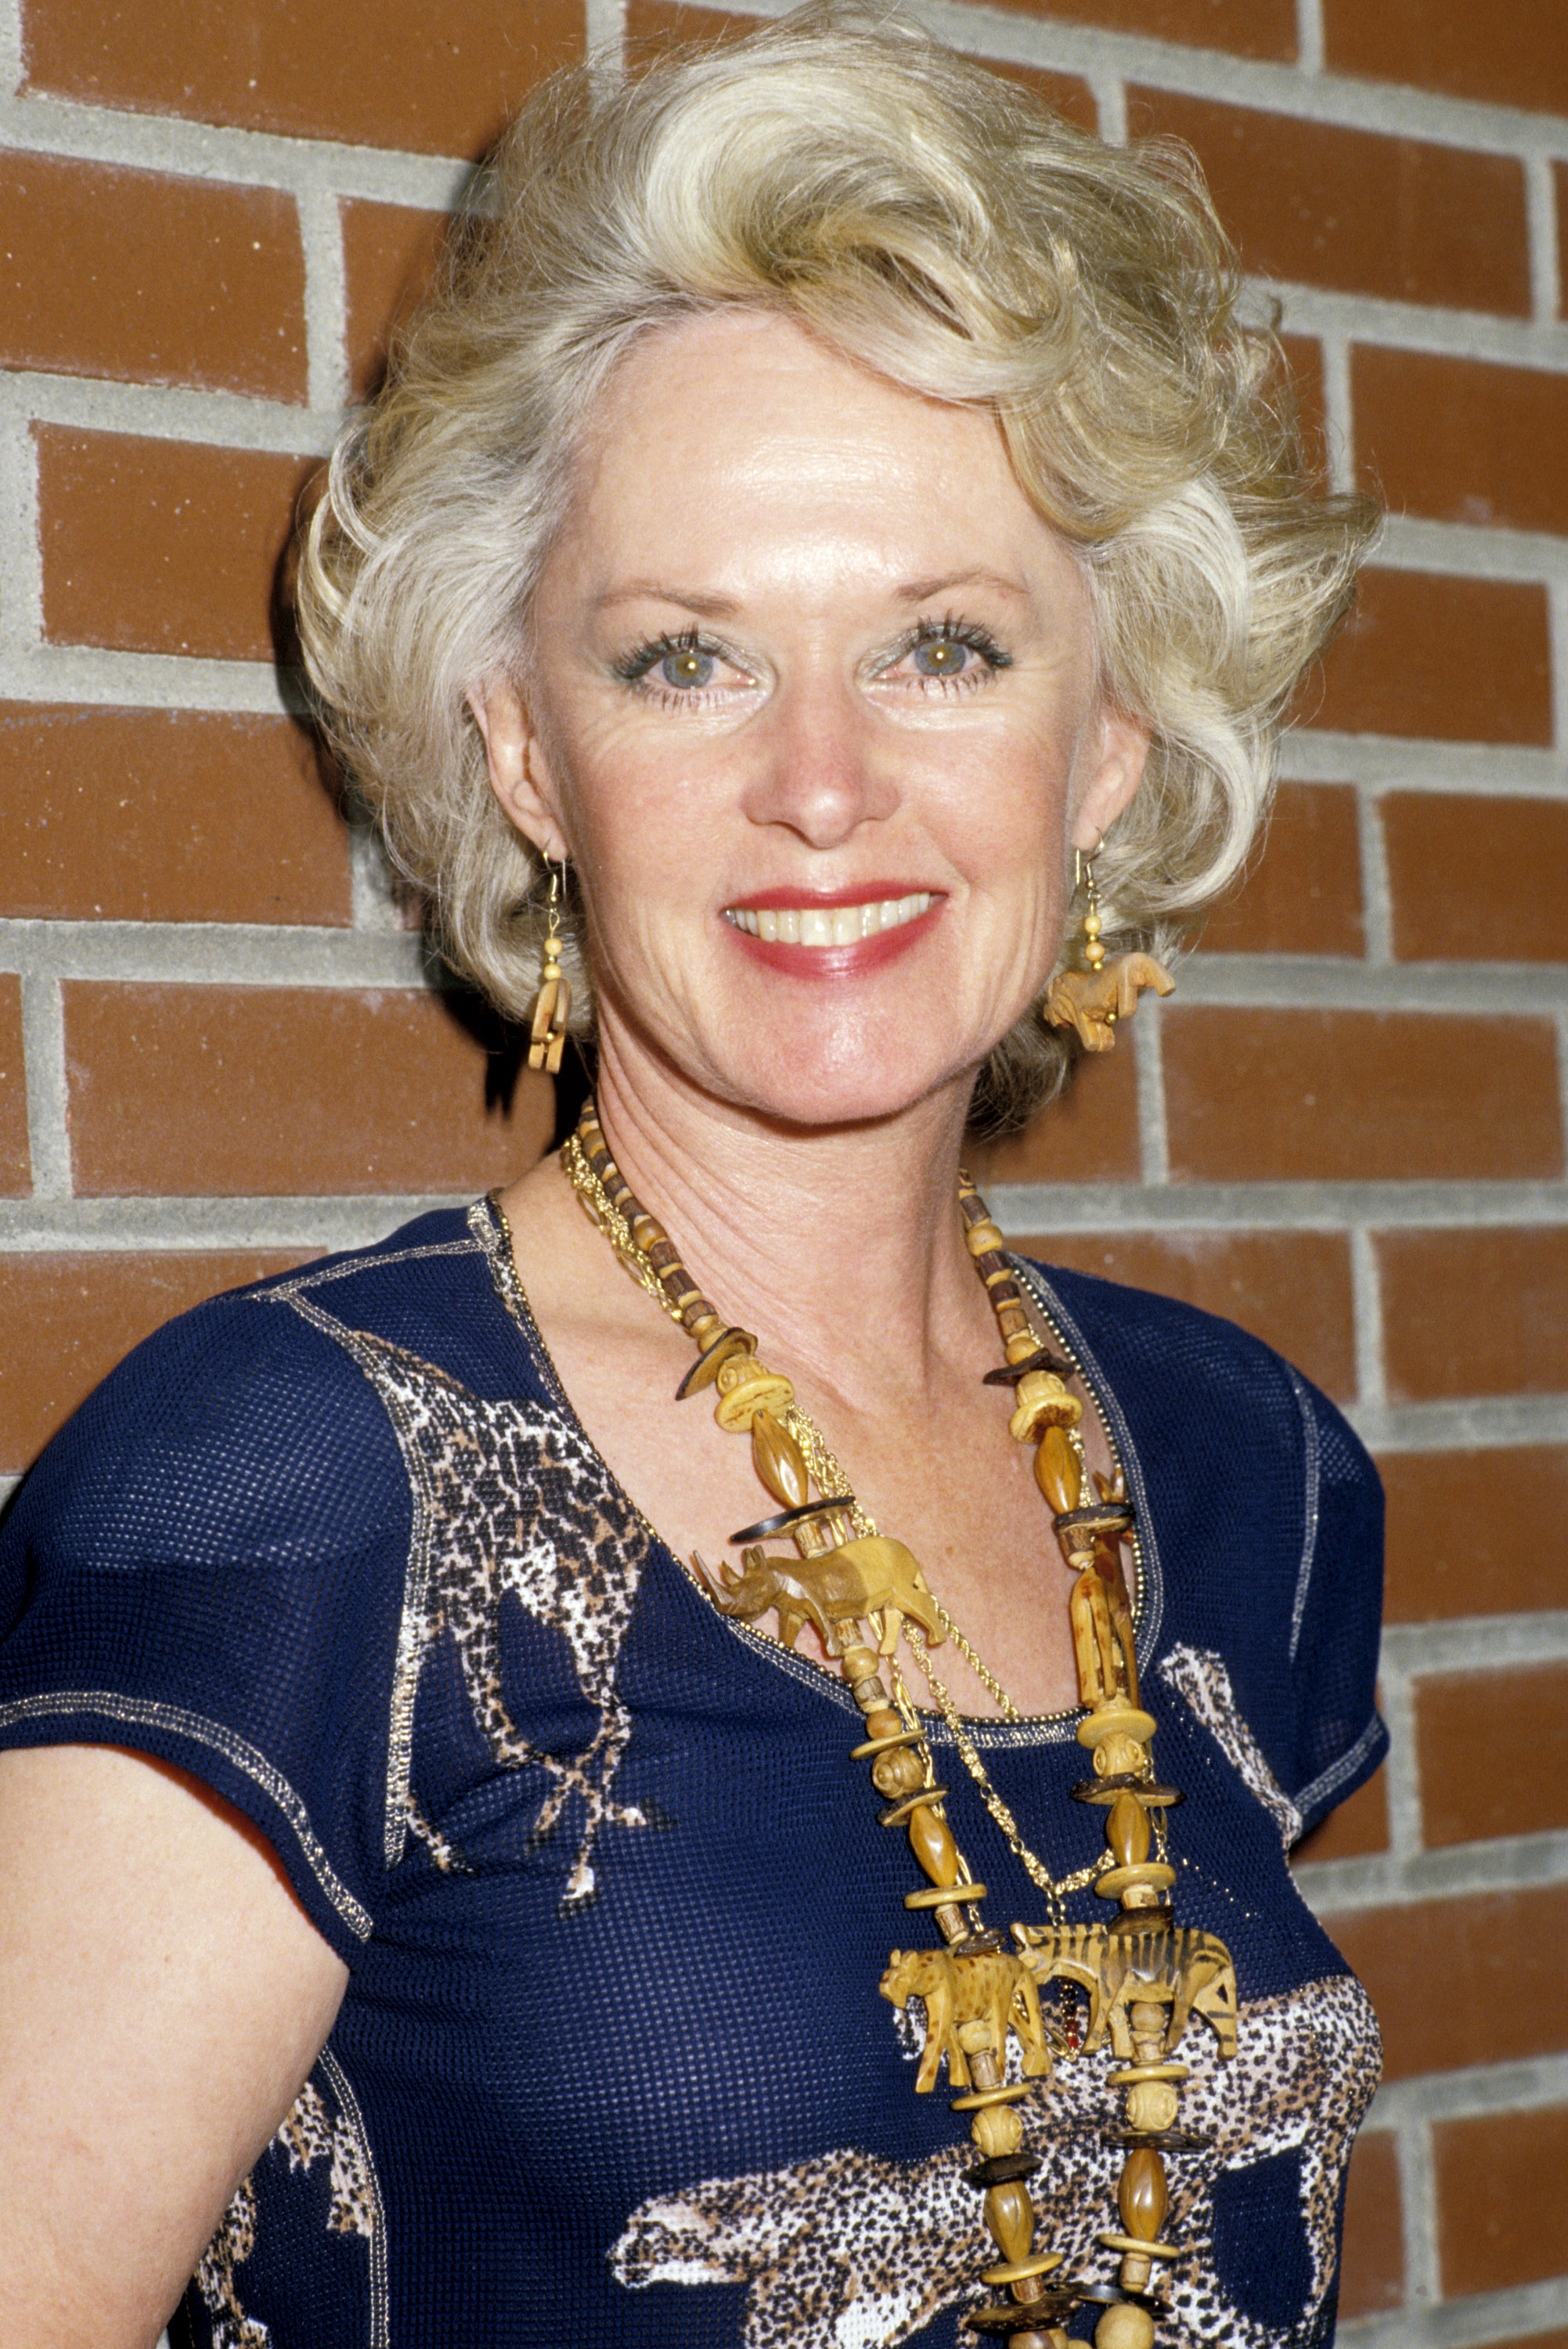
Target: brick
15 1150
1247 28
1303 894
150 280
1476 1313
1516 57
1341 1096
1452 1551
1090 1134
1290 1288
1358 1827
380 73
1065 93
1465 1797
66 1320
1502 2217
1372 2268
186 1091
650 24
389 259
166 815
1477 879
1462 1981
1461 660
164 546
1317 204
1461 440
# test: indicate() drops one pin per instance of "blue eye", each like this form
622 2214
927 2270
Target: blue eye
941 657
687 666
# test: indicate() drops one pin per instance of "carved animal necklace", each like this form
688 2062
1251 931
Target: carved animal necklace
1145 1975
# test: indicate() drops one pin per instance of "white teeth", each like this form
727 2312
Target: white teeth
828 925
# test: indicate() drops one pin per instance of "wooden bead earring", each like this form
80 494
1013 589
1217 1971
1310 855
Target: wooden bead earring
551 1004
1092 999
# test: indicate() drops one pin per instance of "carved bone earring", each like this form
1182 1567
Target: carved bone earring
1094 999
547 1037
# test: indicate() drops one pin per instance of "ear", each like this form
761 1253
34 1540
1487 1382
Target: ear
1123 750
518 771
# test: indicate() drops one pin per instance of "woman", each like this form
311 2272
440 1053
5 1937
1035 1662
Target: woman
829 506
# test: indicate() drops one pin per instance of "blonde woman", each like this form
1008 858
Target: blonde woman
826 568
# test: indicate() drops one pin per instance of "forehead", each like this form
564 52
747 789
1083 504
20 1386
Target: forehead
741 425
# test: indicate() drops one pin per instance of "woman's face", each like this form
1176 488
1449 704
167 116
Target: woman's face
812 706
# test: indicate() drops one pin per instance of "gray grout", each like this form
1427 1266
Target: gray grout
1338 407
1309 36
44 1053
1417 2201
1366 1293
21 615
1149 1061
1473 2322
325 302
1376 895
1541 213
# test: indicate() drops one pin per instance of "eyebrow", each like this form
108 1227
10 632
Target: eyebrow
723 608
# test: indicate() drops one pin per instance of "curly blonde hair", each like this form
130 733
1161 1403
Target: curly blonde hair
932 221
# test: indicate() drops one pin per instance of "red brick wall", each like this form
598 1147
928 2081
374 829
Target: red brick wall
217 1053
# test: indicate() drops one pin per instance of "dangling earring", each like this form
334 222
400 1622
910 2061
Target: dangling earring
554 1000
1094 999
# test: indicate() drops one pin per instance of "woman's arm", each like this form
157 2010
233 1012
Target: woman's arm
163 1997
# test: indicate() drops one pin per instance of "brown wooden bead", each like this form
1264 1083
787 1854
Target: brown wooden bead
1142 2195
883 1722
1126 1831
1010 2216
1057 1471
930 1840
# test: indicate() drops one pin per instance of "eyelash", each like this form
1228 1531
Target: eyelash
635 668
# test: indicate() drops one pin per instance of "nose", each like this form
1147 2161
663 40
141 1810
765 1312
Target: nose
823 767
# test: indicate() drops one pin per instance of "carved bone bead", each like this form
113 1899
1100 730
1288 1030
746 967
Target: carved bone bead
1042 1401
776 1456
745 1387
998 2129
1124 2325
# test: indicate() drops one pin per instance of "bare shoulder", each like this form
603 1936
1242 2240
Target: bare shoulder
164 1996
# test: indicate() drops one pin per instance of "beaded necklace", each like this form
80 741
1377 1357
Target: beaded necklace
1146 1977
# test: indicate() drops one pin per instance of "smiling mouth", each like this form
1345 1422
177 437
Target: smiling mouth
827 926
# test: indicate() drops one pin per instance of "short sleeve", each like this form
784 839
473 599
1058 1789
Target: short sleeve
206 1565
1336 1612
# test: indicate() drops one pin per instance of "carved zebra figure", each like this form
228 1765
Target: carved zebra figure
1119 1965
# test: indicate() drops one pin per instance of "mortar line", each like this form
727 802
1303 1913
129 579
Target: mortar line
1149 1068
1338 407
1397 1704
22 607
326 301
1541 229
1423 2274
1109 91
1557 626
605 27
44 1054
12 50
1309 36
1367 1305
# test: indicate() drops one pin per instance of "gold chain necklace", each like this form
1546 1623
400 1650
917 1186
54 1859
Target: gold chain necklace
1146 1978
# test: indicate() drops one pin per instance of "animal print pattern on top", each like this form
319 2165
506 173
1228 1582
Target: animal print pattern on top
323 2127
1201 1679
512 1499
852 2251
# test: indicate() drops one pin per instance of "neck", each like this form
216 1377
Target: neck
842 1247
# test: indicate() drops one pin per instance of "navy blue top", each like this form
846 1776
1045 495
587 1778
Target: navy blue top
612 2070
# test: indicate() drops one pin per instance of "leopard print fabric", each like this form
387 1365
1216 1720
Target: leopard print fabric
852 2251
